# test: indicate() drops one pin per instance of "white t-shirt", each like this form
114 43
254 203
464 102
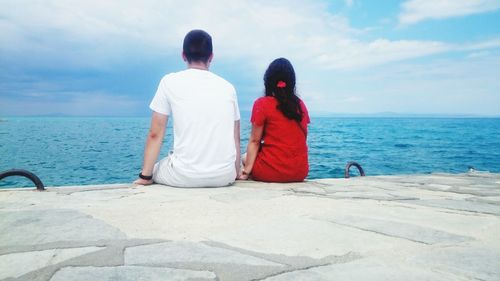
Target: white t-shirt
204 108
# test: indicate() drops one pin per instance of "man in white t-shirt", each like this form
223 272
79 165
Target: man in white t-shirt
206 124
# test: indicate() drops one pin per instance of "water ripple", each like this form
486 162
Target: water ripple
109 150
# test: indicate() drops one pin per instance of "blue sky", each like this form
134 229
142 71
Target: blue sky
105 58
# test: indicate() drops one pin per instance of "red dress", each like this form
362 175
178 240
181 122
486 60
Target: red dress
283 154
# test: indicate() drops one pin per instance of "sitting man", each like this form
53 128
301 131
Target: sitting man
206 151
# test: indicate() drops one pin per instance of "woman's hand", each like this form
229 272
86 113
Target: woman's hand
243 175
140 181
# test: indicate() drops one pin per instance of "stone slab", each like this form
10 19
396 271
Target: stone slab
366 269
304 237
172 252
17 264
406 231
461 205
474 262
130 273
34 227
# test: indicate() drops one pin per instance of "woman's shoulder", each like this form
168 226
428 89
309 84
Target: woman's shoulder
266 100
305 112
302 104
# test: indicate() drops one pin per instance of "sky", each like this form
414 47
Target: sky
106 58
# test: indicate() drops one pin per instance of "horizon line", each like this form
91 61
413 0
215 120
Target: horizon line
315 115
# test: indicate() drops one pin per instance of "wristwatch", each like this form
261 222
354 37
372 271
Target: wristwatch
148 178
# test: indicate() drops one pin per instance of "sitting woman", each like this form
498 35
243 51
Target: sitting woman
277 148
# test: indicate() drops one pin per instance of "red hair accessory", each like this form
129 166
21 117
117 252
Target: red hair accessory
281 84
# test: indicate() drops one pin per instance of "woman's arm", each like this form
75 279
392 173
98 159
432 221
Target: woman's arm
153 145
252 150
237 164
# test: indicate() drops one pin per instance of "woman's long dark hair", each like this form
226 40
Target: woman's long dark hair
280 73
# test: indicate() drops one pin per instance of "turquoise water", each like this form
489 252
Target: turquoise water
76 151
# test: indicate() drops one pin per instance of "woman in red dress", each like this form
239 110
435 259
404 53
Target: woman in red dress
277 148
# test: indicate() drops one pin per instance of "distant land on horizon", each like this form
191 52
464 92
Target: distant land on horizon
404 115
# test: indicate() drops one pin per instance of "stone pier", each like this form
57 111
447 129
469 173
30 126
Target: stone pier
414 227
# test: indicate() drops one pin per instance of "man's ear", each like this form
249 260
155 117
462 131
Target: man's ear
210 58
184 57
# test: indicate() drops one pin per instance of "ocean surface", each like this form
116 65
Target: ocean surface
83 151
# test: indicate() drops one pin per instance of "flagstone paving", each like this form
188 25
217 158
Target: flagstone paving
411 227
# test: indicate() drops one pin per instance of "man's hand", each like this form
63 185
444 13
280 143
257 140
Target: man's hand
140 181
242 175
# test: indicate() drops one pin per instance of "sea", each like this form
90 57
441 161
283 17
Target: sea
66 151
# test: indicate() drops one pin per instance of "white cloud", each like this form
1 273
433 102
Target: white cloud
97 33
488 44
359 54
414 11
351 99
326 50
446 86
478 54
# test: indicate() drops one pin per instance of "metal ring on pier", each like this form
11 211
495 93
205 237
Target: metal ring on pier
23 173
355 164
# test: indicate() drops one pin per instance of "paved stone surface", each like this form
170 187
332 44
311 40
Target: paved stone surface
482 207
130 273
171 252
45 226
367 269
402 230
476 263
410 227
17 264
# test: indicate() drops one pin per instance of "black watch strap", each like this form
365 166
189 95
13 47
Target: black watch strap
145 177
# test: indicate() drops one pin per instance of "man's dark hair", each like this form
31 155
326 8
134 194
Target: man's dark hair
197 46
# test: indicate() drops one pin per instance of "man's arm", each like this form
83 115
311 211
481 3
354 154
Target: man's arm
153 145
238 148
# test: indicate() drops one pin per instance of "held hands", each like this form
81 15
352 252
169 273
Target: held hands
243 175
